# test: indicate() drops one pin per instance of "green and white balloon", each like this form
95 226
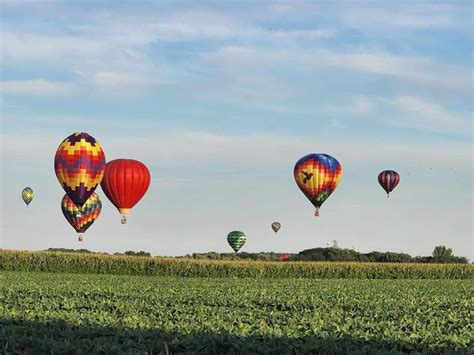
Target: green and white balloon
236 240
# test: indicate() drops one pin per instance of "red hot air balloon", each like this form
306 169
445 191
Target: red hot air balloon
125 182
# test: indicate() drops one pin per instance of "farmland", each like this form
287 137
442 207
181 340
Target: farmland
76 303
78 313
146 266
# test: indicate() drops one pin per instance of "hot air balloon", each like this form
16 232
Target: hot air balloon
388 179
79 164
317 176
284 256
276 226
125 182
27 195
236 240
89 212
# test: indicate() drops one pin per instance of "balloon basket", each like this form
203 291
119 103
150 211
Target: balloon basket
80 239
123 220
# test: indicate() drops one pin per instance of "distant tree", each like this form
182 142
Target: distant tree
135 253
442 251
64 250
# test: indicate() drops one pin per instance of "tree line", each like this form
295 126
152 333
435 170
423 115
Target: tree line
440 254
128 252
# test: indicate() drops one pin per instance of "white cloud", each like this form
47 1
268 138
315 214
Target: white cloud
362 105
112 50
409 15
38 87
106 79
414 69
33 47
192 148
198 25
419 113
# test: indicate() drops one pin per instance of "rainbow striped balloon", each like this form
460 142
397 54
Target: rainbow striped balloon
81 218
79 164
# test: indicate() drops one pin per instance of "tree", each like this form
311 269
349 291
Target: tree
441 250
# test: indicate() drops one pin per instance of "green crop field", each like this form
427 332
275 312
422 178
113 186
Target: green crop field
147 266
86 313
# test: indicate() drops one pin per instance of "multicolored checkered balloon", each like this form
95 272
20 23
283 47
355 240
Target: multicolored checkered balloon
236 240
81 218
317 176
79 164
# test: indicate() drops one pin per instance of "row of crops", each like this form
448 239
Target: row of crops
146 266
83 313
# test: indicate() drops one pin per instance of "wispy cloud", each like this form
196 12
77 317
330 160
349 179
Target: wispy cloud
37 87
28 47
414 69
419 113
416 15
192 148
362 105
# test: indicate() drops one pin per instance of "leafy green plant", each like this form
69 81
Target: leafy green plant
156 266
71 313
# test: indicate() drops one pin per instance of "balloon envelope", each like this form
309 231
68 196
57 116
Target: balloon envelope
79 164
388 179
236 240
276 226
125 182
27 195
317 176
81 218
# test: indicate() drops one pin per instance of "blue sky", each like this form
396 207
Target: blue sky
220 99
